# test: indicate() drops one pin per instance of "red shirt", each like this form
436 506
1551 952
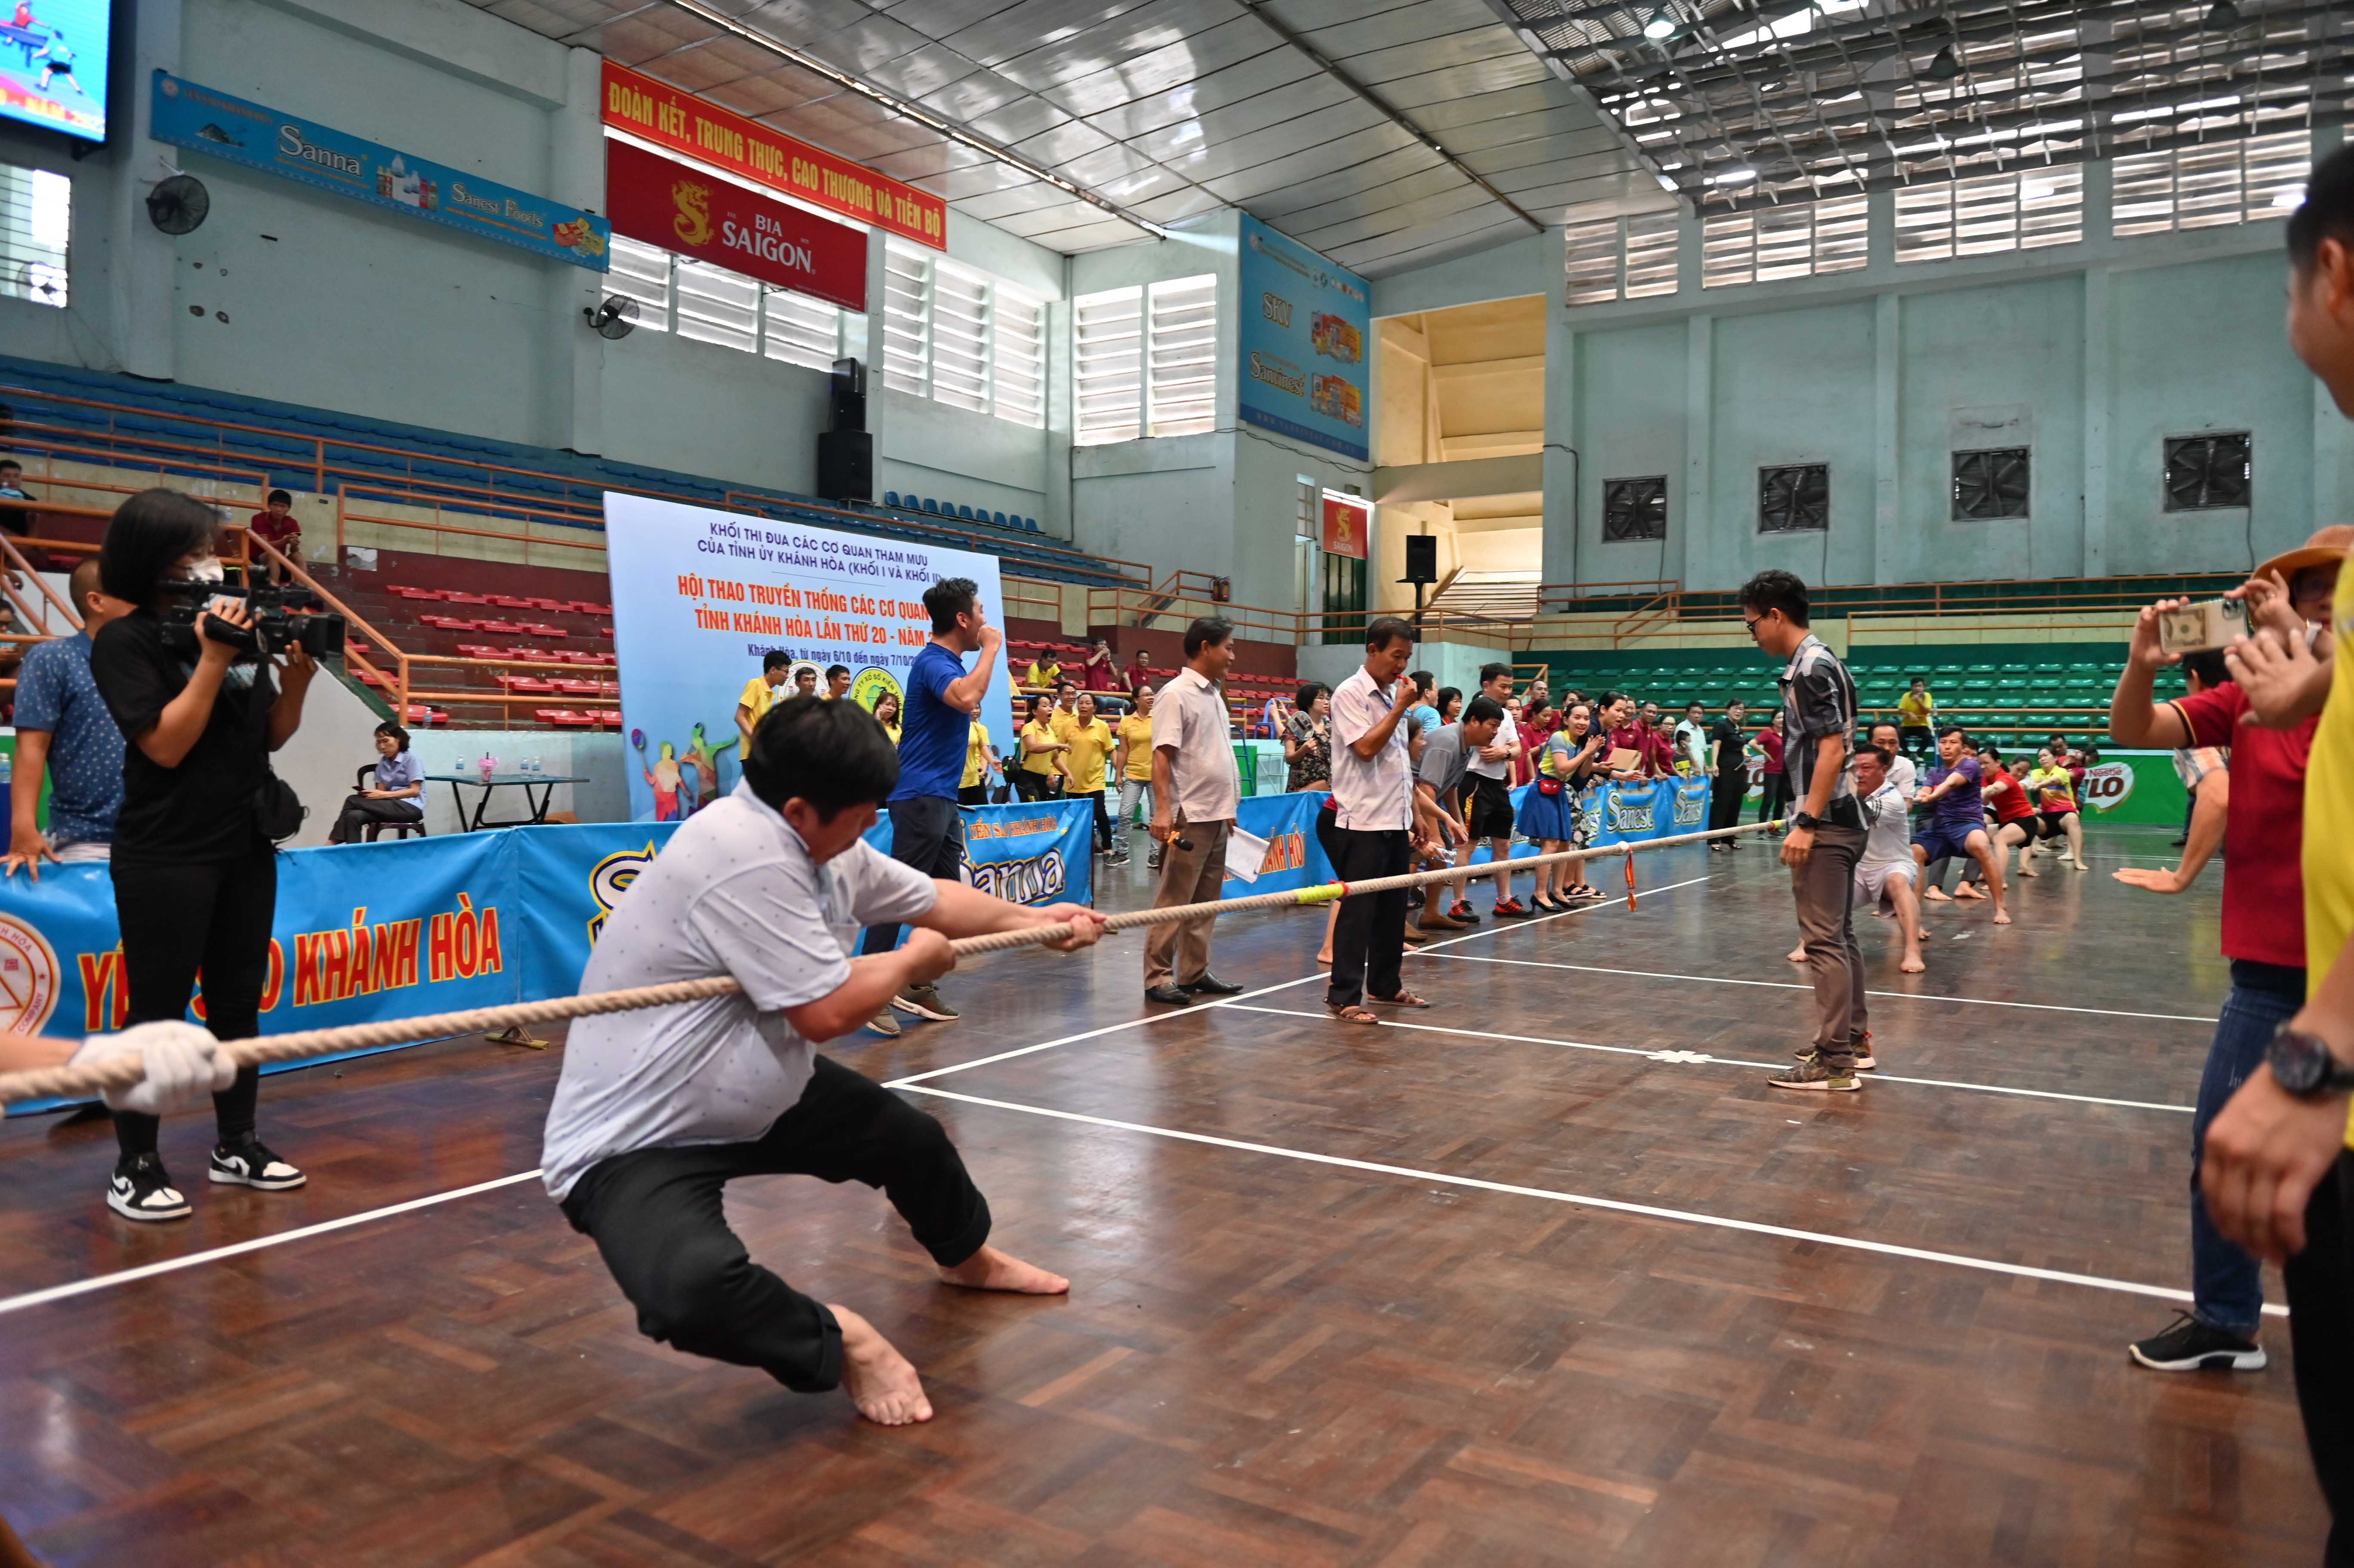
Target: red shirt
2263 830
277 530
1769 741
2012 803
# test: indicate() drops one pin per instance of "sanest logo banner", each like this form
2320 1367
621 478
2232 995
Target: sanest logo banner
666 203
684 123
1304 325
189 115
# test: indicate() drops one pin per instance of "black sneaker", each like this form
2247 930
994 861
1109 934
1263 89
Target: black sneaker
142 1191
2189 1345
249 1162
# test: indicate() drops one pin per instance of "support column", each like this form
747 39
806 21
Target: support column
1694 515
1564 487
1887 443
2100 361
140 268
577 175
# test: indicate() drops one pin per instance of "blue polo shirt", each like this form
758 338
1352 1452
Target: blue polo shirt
56 692
932 735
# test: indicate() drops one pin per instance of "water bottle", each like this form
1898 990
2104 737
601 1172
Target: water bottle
7 768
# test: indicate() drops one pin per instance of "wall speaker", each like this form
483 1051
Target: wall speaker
848 396
845 465
1421 558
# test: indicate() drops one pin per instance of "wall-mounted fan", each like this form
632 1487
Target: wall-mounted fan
179 204
615 318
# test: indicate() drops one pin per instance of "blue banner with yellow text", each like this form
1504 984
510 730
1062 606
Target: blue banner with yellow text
1294 859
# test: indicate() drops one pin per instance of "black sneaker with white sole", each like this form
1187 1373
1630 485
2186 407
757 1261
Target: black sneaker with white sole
248 1161
141 1189
2188 1345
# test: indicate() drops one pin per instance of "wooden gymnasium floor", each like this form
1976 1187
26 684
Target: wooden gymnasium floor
1338 1296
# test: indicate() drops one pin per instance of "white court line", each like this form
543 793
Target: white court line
1648 1210
1235 1001
1702 1059
1787 985
171 1265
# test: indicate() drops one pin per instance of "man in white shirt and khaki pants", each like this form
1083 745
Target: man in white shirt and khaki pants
1372 793
1195 793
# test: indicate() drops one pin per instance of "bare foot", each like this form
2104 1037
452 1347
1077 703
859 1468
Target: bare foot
989 1269
1796 954
877 1378
2079 865
1325 959
2024 872
1968 890
1936 895
1913 964
2002 917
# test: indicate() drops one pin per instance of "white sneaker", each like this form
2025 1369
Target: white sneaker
140 1190
249 1162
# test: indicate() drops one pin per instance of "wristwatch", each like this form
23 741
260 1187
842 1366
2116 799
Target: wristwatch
2302 1063
1806 819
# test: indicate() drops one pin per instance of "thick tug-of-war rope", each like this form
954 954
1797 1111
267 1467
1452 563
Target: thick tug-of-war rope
70 1082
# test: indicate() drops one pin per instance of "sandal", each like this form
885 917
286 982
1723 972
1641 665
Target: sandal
1352 1014
1403 998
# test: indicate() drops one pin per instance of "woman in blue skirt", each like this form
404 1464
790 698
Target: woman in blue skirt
1549 812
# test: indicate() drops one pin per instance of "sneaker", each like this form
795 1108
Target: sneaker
886 1026
1458 910
249 1162
1865 1061
1510 908
1811 1074
2189 1345
1119 857
924 1002
140 1190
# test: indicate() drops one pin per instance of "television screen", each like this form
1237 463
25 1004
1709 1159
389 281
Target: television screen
53 60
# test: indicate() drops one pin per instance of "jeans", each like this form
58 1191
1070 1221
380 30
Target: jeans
927 834
1777 796
1132 790
657 1219
2227 1290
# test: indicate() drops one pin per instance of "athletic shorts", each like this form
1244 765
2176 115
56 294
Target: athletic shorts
2056 823
1940 841
1872 879
2026 824
1491 808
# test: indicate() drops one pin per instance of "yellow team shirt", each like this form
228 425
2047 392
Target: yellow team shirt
2329 802
1135 732
1913 708
976 754
1090 744
758 696
1039 761
1062 722
893 731
1043 672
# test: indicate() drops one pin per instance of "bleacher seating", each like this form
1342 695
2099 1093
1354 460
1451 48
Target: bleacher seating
926 506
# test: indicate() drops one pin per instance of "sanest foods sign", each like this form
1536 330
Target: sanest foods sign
666 203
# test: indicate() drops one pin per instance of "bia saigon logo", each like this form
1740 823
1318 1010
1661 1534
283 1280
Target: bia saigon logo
2108 786
609 878
693 225
28 978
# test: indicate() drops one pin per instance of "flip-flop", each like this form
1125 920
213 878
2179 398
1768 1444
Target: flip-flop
1359 1015
1403 998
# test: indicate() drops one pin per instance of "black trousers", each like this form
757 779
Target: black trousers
927 833
360 812
1029 786
972 795
1103 815
1777 796
1725 792
175 920
657 1219
1368 938
2320 1282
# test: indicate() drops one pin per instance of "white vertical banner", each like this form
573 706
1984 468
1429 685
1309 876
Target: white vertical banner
702 596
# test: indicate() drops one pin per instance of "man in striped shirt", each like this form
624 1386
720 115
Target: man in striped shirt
1826 831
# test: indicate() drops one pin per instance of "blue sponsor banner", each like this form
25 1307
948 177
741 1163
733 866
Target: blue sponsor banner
1025 852
1631 814
1305 327
188 114
1294 859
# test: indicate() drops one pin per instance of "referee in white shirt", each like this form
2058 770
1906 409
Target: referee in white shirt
1372 794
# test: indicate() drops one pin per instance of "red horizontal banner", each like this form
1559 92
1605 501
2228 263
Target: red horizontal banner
683 122
666 203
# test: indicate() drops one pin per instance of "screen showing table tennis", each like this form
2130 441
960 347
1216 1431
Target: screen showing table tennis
53 60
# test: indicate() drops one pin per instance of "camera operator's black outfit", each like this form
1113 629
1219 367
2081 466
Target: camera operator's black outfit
196 877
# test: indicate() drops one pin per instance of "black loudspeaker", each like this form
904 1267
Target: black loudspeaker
848 401
845 465
1421 558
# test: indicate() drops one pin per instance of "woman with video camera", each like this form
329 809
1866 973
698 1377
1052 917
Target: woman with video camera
202 704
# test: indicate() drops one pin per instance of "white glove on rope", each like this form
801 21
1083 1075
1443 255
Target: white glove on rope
184 1063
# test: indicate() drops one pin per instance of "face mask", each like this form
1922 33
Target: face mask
208 570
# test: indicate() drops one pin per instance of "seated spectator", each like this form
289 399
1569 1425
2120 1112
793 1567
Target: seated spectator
1099 673
399 782
1140 673
1044 672
63 728
14 519
275 526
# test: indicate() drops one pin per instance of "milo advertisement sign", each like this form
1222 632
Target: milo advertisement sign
2108 787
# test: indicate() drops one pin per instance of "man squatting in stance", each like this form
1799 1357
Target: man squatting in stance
658 1109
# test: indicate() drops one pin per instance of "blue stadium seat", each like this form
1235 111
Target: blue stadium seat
931 505
890 498
1031 523
1001 520
964 512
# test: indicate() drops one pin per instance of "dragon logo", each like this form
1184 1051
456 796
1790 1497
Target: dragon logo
693 225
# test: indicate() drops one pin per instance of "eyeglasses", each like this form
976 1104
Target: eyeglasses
1751 623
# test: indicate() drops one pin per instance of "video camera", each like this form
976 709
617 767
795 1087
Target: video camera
283 615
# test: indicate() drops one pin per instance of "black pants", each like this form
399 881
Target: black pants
1103 815
1777 796
972 795
177 919
657 1219
1029 786
1368 938
2320 1282
1726 790
1915 739
927 833
360 812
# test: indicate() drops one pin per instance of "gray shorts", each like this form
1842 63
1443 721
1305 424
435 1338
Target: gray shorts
1872 878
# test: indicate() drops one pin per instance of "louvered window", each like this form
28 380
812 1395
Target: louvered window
642 272
1651 255
799 330
1768 244
1018 360
1989 215
1593 252
36 227
1614 259
1183 352
1107 351
2210 184
717 306
1145 360
908 320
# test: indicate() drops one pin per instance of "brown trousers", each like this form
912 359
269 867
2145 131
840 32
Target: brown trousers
1823 888
1179 952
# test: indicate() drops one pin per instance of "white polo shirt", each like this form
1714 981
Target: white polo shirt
734 892
1507 735
1191 716
1371 794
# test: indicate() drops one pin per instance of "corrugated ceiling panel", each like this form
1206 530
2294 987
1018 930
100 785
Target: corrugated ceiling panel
1270 72
1214 127
1164 68
1233 155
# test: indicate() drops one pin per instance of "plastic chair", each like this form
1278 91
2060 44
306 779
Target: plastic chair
376 830
890 498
